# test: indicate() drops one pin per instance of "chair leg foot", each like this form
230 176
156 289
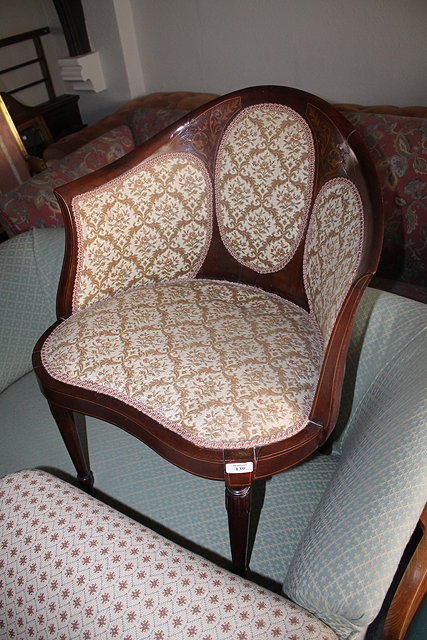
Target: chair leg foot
70 434
86 482
238 504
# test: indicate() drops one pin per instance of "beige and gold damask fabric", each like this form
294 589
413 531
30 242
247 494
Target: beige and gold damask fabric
264 182
332 250
220 363
152 223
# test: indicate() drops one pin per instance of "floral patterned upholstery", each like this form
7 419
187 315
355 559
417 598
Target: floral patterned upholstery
73 568
264 185
398 146
220 363
329 255
33 203
153 222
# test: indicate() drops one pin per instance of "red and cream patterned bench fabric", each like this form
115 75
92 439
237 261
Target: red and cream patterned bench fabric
72 567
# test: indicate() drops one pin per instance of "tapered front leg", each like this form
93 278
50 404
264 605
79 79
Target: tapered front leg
238 504
70 434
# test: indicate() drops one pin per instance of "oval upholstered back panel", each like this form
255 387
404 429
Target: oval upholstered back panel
264 182
152 223
264 186
332 250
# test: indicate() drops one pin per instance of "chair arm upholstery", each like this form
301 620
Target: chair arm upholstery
151 223
367 514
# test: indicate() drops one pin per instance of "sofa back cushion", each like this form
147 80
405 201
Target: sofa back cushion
383 325
33 203
398 146
30 265
145 122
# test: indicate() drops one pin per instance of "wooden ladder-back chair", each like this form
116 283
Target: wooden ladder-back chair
208 289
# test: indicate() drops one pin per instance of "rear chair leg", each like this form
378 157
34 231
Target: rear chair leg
67 425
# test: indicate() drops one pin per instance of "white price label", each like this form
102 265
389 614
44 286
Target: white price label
239 467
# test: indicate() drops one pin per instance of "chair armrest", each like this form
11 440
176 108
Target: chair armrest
411 589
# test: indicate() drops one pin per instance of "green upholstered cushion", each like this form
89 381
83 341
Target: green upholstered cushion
30 265
351 548
383 325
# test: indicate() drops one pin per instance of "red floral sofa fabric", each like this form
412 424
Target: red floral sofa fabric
145 122
33 203
398 146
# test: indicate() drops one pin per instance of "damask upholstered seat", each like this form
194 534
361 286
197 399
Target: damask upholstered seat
208 289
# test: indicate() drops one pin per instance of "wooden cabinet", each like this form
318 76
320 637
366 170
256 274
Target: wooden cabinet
49 121
45 123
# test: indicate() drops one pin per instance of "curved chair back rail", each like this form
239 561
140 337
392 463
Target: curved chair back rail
249 230
336 152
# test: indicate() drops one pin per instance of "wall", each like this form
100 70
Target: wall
369 51
27 15
110 27
104 36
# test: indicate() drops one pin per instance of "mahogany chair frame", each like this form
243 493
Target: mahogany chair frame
343 155
411 589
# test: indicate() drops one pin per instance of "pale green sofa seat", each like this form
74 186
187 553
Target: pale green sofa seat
331 530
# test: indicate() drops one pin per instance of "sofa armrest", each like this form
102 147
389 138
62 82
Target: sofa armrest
30 265
384 324
33 203
352 546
